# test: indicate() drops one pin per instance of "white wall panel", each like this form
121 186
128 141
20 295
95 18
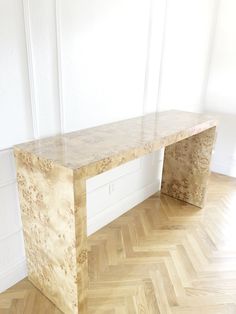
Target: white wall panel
104 49
117 188
112 198
43 45
9 210
113 174
156 37
224 158
188 30
13 249
7 167
15 115
220 91
12 260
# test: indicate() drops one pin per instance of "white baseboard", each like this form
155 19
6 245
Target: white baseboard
12 275
112 212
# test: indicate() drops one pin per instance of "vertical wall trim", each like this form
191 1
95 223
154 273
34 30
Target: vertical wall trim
212 37
31 70
162 56
59 65
149 37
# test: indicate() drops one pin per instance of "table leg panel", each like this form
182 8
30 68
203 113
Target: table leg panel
186 168
46 193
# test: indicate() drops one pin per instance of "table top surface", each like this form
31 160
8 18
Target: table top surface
138 135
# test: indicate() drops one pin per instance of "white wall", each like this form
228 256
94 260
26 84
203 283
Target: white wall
185 57
14 87
221 91
224 158
103 61
221 95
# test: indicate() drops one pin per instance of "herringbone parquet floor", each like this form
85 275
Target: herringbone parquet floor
161 257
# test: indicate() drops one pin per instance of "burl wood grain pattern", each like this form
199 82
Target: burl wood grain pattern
186 168
49 216
52 176
107 146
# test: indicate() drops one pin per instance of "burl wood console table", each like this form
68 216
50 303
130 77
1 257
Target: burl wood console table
52 173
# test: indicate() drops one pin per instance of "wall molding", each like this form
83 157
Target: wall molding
59 65
148 57
2 149
149 37
7 149
162 56
31 69
212 37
